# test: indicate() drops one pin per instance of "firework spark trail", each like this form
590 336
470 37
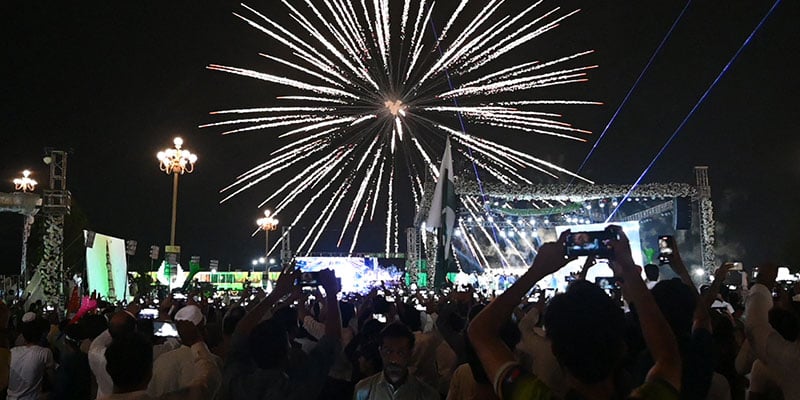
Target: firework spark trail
390 207
524 237
467 236
312 173
308 205
416 39
361 190
474 215
379 183
308 183
271 172
493 52
303 21
514 250
323 221
362 95
442 64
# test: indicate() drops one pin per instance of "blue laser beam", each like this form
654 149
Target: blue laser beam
630 91
696 106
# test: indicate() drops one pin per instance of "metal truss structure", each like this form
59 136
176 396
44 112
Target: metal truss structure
699 193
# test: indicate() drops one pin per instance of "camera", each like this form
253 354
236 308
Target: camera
666 248
597 243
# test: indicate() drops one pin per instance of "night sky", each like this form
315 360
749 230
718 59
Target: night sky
115 81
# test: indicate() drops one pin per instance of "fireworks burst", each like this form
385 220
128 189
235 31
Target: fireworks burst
372 95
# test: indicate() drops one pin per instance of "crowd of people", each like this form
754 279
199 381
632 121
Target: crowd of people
642 338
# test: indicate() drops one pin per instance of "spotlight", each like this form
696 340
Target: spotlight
502 234
510 233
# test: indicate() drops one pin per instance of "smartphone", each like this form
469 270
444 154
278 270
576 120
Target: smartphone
666 247
148 313
606 282
390 299
309 279
164 329
597 243
179 296
737 266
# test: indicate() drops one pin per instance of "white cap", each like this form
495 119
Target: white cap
28 317
191 313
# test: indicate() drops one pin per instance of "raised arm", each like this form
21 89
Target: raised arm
333 316
656 331
282 288
765 341
701 315
484 330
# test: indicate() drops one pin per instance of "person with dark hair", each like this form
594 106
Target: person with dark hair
121 324
395 381
651 273
363 350
586 329
129 363
469 380
339 384
257 363
73 378
31 363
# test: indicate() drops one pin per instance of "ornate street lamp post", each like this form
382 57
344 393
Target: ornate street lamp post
176 161
267 223
25 184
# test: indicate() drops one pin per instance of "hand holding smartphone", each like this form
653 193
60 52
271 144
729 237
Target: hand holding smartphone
666 249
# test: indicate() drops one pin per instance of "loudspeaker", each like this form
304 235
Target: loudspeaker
89 239
681 213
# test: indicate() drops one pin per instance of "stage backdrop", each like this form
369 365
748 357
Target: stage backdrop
105 257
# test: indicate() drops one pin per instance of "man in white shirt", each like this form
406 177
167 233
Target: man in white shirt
30 363
122 323
395 382
769 346
129 364
176 369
